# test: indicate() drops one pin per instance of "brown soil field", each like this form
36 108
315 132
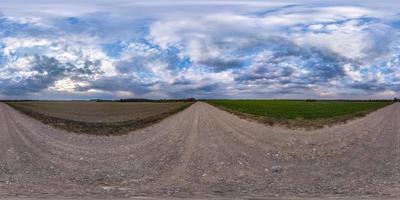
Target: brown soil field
203 152
87 111
98 118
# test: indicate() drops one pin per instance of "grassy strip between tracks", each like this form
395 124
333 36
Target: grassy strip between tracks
309 114
99 128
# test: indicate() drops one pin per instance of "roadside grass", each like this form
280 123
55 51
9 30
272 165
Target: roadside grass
299 113
105 118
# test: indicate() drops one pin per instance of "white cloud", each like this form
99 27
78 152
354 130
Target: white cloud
67 85
75 49
208 48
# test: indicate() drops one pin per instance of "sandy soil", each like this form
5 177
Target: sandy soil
203 152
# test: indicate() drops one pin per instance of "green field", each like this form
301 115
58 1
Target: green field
98 118
300 112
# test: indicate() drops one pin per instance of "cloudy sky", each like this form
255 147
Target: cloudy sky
83 49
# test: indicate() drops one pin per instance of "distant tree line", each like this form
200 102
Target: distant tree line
354 100
146 100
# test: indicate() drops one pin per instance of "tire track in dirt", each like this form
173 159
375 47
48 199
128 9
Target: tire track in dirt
202 151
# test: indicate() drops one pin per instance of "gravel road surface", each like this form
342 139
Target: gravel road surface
202 152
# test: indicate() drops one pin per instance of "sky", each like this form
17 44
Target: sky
111 49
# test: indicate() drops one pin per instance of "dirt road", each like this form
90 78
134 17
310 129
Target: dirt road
202 152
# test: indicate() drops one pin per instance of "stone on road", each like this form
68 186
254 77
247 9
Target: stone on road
202 152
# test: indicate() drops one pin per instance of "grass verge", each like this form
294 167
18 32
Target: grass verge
299 113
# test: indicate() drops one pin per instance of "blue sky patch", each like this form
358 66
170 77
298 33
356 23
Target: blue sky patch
209 49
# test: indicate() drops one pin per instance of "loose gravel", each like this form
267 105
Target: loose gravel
202 152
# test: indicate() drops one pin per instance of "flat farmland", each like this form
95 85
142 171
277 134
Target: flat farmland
299 113
99 118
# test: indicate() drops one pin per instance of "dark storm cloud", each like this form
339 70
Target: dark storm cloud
222 64
369 86
44 71
202 91
182 81
120 83
285 60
